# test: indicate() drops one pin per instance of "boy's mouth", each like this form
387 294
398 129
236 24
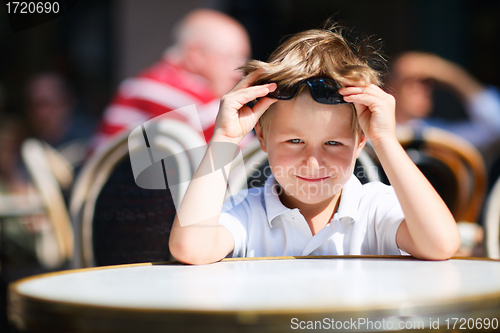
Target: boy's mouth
312 179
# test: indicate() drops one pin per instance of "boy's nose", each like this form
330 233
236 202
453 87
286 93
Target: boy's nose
313 160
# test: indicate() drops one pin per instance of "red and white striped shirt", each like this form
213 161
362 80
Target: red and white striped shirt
161 88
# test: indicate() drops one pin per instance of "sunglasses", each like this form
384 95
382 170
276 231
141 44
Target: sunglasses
323 90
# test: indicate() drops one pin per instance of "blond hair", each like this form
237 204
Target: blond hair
319 53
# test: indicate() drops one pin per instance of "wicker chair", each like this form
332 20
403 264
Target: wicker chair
116 220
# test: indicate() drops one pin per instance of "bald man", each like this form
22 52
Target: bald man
198 69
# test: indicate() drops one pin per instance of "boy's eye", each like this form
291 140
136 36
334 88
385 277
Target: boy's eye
333 143
295 141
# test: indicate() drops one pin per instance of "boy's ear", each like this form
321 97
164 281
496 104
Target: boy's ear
361 145
260 136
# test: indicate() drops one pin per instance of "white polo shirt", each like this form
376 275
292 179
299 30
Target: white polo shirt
365 223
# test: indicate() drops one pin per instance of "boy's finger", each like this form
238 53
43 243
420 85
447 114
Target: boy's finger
248 80
248 94
353 83
352 90
371 89
262 105
364 99
371 101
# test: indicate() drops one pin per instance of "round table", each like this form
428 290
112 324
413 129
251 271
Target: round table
282 294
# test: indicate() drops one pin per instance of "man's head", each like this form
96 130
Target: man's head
213 45
412 90
311 145
49 105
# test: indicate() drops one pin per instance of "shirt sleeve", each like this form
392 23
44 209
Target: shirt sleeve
483 125
388 217
236 219
484 109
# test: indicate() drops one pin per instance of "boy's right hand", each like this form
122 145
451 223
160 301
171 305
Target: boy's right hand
235 118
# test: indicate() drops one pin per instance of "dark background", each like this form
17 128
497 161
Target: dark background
100 42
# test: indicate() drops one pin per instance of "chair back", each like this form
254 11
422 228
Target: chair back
119 221
491 222
48 171
453 166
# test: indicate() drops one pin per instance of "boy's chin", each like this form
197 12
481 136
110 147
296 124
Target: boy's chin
313 200
312 197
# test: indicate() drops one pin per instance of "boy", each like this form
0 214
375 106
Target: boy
313 132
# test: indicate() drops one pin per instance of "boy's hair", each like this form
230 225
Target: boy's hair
319 53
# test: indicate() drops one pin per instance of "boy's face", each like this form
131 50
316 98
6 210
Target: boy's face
311 148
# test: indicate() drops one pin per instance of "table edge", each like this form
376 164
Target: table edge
20 304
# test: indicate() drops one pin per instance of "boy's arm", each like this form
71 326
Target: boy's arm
196 236
429 230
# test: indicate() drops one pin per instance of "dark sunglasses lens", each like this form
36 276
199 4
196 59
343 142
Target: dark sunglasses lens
284 92
325 91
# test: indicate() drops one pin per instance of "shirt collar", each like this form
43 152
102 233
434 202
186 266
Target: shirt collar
348 206
274 207
349 201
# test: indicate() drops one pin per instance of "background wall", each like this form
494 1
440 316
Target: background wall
100 42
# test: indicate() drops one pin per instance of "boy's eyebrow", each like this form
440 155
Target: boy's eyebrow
299 132
291 131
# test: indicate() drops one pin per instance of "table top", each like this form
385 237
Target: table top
257 292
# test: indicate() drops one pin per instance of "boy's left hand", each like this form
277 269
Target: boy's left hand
375 109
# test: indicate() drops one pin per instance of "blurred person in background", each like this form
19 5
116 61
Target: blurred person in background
19 236
27 239
411 80
18 240
12 177
51 116
198 69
